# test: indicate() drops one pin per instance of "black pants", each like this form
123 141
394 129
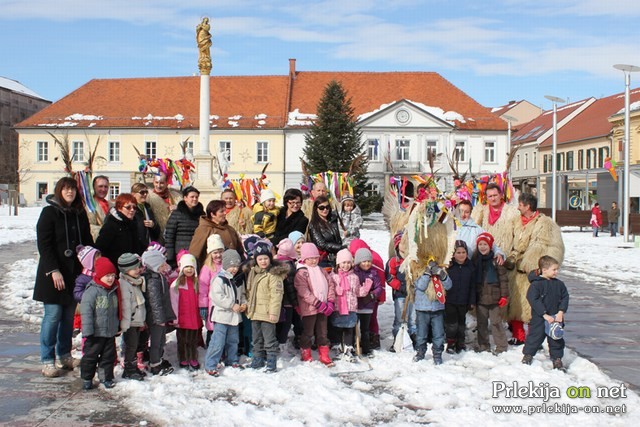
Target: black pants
536 336
315 325
365 321
283 328
187 344
157 340
131 342
99 352
455 323
345 336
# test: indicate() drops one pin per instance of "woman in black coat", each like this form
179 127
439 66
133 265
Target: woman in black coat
291 218
324 231
119 234
62 226
146 224
182 224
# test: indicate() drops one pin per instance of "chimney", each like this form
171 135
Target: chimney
292 68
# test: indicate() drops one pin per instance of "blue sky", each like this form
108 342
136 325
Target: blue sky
494 50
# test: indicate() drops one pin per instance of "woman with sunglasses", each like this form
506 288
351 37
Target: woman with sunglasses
146 225
291 218
324 231
119 235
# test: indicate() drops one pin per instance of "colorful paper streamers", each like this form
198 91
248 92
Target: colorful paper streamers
339 184
246 189
85 187
181 170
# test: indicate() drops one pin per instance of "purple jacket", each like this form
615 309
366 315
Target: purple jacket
81 283
369 301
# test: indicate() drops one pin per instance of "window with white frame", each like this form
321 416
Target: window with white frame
114 190
517 162
188 147
373 149
43 151
490 151
535 160
262 152
114 151
432 148
372 189
225 147
403 147
459 151
526 161
150 149
78 151
42 189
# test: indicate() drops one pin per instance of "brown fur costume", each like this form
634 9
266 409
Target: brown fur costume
160 208
241 220
539 237
502 229
96 220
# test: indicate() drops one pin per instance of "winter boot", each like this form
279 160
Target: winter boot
323 352
451 346
349 354
420 354
374 339
87 384
557 364
49 370
67 363
257 362
414 340
527 359
272 362
305 355
437 359
131 372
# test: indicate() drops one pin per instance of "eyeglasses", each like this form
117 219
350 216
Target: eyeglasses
143 192
323 207
129 207
294 203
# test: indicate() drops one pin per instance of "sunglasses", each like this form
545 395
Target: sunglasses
323 207
143 192
129 207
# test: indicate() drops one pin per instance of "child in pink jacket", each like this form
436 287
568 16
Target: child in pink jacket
348 289
210 269
316 295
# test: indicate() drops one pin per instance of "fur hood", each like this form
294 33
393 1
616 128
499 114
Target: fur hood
278 268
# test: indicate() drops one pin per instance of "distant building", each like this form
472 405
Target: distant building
522 111
17 102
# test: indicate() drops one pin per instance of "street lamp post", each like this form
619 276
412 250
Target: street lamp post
627 70
554 155
509 119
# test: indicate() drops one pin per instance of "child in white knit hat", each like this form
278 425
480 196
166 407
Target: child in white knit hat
211 267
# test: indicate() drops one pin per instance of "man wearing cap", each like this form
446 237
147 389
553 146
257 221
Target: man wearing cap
534 235
163 200
265 215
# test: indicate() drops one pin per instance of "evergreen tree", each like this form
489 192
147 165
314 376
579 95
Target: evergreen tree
334 139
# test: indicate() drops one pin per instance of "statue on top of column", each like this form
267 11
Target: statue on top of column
203 38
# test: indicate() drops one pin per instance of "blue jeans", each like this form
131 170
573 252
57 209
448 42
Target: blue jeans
56 332
398 306
224 338
435 320
613 227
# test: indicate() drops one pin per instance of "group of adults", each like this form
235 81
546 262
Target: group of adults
130 223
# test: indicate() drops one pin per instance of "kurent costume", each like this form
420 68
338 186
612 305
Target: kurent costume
497 223
240 218
160 205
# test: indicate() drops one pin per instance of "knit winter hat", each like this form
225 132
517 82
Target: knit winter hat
347 197
153 259
344 256
308 250
485 237
267 194
294 236
262 248
214 242
187 260
155 246
362 255
103 267
397 238
555 330
286 250
128 261
87 256
230 258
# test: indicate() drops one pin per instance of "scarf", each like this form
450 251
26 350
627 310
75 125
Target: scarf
488 270
343 299
165 195
318 282
136 281
526 221
494 214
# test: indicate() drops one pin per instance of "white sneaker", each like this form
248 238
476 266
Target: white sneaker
49 370
67 363
349 354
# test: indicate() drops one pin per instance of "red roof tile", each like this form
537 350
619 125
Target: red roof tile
155 103
370 90
593 121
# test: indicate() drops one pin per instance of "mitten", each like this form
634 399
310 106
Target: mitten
203 312
330 307
368 282
321 306
503 301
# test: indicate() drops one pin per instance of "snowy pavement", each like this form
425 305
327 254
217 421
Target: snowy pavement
390 388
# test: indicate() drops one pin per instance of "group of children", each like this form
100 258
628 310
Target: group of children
147 300
443 298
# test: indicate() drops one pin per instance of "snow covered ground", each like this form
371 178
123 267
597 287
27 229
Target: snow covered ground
388 389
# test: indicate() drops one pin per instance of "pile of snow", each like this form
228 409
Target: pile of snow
21 228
